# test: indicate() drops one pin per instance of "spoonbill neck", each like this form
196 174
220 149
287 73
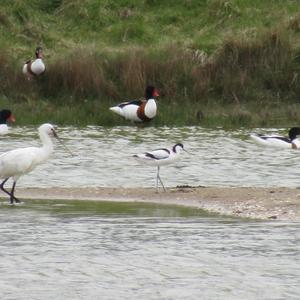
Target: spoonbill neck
46 141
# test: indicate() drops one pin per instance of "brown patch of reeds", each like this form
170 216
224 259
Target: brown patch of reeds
79 74
240 65
239 71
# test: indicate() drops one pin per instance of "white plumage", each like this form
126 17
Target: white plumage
160 157
18 162
35 67
290 142
139 110
6 117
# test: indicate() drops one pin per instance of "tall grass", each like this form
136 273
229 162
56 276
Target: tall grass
260 70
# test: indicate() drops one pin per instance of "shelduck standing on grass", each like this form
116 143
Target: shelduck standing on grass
290 142
6 117
33 68
139 110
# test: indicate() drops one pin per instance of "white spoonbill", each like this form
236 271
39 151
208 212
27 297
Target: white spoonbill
139 110
33 68
290 142
6 117
18 162
160 157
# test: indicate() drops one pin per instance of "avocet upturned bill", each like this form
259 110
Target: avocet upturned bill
290 142
33 68
6 117
139 110
160 157
18 162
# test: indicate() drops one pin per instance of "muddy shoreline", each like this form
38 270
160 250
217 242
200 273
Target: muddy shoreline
248 202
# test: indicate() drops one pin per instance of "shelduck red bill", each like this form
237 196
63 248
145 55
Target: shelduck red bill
12 118
155 93
143 110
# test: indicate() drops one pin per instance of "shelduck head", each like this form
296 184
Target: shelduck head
294 132
39 52
6 116
151 92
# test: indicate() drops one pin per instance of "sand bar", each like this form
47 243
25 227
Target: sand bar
260 203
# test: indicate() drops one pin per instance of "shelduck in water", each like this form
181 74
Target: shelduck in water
6 118
139 110
290 142
160 157
34 68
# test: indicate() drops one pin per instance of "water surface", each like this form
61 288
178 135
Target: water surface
103 157
94 250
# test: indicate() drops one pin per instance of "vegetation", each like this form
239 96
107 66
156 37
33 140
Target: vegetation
215 62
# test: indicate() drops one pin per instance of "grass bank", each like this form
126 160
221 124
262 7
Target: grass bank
216 63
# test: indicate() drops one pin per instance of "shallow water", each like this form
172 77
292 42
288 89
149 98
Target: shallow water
93 250
103 157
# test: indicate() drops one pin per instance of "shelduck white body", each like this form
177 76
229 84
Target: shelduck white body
18 162
139 110
35 67
6 117
290 142
160 157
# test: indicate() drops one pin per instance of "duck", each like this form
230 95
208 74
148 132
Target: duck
6 117
139 110
290 142
34 68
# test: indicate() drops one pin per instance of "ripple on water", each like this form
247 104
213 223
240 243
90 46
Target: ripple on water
103 157
113 250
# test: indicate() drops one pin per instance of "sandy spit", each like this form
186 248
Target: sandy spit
260 203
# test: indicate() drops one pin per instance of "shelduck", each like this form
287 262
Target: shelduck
33 68
290 142
139 110
6 117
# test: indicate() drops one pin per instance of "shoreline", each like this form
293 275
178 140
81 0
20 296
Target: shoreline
246 202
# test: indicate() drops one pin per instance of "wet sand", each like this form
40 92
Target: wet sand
260 203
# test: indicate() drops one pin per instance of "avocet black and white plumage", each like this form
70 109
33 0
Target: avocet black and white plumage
160 157
290 142
139 110
33 68
6 118
18 162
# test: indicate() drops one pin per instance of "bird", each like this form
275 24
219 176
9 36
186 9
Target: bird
18 162
290 142
160 157
139 110
6 117
34 68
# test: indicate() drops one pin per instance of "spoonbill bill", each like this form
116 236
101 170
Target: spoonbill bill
18 162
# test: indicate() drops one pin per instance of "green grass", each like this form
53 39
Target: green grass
174 114
126 23
215 62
